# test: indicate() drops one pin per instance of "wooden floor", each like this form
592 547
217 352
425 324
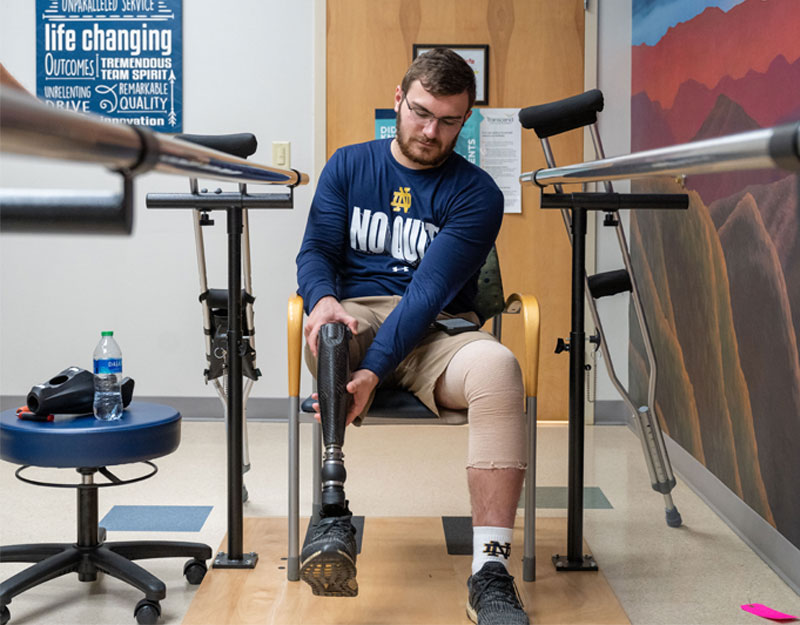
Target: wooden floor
404 576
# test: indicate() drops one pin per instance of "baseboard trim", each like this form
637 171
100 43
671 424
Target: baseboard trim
767 542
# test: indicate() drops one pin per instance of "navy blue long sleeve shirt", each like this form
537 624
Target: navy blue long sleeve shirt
379 228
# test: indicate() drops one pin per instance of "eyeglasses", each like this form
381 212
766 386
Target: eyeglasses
424 116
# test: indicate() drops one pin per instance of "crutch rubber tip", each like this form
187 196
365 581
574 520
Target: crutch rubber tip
674 517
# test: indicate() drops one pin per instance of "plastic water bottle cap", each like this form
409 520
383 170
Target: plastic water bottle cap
107 333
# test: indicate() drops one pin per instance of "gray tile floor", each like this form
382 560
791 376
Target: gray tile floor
696 575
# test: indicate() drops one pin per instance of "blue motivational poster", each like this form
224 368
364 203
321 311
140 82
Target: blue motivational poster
121 59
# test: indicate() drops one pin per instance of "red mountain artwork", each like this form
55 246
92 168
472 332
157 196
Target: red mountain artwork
721 281
718 73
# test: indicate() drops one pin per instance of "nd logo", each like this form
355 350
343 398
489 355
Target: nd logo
495 549
401 200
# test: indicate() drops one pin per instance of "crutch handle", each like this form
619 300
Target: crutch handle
242 144
556 117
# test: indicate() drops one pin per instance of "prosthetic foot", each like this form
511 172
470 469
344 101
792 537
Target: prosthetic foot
328 560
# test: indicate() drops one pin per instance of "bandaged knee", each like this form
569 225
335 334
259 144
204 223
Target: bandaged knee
484 378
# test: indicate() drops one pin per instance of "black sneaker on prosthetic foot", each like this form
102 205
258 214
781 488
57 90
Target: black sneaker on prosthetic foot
328 560
493 597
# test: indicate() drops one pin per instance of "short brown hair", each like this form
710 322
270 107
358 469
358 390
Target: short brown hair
441 72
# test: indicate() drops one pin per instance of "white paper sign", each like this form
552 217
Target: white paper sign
501 152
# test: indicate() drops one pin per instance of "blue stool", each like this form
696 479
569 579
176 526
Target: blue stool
145 431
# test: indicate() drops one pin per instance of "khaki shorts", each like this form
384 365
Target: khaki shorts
420 370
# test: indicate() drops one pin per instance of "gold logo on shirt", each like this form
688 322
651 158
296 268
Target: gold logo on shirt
401 200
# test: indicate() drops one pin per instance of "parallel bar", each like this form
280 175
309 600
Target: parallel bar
30 127
765 148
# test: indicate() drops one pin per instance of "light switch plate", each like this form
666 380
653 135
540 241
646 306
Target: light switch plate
281 154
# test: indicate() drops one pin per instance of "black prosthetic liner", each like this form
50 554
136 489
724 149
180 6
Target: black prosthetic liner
333 373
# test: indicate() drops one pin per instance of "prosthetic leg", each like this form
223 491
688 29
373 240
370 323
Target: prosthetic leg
333 373
328 559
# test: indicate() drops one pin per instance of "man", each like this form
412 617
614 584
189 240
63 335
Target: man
397 232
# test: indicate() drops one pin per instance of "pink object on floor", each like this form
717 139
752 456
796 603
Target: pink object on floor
766 612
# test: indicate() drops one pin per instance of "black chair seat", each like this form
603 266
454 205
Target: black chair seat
390 403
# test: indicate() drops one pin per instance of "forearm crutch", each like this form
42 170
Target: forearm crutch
554 118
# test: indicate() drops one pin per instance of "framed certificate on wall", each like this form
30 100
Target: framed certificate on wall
476 55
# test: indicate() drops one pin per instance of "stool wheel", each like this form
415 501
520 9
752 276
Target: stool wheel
5 615
194 571
147 612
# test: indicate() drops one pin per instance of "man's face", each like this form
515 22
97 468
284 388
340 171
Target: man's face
428 125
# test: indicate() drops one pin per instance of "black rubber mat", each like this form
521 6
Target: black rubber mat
458 535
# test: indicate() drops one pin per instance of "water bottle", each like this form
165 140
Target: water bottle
107 377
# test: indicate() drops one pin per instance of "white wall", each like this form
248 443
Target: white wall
248 66
614 124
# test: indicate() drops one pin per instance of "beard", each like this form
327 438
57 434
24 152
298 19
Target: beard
423 151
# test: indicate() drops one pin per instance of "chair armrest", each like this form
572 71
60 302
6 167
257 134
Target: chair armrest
528 305
294 326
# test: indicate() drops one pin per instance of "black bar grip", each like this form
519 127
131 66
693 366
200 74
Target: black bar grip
784 146
242 144
609 283
557 117
68 212
333 374
615 201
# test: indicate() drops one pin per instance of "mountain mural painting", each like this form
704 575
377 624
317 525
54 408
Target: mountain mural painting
721 282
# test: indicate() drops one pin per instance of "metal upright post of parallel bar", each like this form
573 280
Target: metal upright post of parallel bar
235 408
575 559
234 205
579 205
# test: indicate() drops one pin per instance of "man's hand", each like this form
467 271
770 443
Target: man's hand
360 387
326 310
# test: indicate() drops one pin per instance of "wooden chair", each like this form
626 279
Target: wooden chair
397 406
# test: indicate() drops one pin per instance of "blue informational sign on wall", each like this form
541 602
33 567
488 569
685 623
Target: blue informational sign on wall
122 59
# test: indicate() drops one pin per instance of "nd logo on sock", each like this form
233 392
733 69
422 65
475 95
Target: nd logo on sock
495 550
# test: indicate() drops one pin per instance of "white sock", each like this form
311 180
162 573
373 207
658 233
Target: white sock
490 544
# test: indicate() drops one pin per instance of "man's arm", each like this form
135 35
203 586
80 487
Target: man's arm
454 255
